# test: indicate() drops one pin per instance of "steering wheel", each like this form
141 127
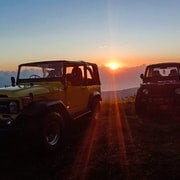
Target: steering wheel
34 76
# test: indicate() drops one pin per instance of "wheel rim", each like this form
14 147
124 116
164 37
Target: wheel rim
53 133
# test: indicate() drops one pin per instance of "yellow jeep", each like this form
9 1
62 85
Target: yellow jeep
47 96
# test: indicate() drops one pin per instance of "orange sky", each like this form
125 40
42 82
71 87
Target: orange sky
128 32
128 62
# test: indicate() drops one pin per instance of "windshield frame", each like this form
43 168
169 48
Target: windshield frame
43 65
162 78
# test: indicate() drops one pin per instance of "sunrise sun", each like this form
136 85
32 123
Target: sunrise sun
113 65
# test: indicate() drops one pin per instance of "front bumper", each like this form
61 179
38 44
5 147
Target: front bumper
8 126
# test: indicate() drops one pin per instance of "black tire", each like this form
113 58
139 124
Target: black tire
95 109
52 132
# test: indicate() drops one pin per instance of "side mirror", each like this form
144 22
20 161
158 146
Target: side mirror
13 82
142 76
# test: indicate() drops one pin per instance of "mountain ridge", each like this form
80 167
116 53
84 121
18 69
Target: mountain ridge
120 94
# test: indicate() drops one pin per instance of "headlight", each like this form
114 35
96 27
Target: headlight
13 107
26 100
177 91
145 91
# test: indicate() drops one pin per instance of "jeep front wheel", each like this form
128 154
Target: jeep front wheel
52 135
141 109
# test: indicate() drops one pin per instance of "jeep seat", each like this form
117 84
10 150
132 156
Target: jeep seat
76 76
156 73
173 72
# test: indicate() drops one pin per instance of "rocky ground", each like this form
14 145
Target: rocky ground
117 146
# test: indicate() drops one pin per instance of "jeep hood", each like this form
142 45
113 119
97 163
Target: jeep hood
167 82
21 91
161 89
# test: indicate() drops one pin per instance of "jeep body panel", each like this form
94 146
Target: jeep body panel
47 86
160 90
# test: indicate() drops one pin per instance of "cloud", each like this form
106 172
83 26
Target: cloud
104 46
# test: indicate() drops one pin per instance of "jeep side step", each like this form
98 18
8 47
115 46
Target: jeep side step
82 114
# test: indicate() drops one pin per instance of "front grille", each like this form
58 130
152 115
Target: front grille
160 101
4 107
162 91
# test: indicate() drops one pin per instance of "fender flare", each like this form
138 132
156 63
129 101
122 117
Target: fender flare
32 117
94 95
40 109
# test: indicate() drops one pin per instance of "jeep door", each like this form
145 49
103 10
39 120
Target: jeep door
76 92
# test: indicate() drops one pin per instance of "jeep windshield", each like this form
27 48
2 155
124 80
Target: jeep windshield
40 72
162 72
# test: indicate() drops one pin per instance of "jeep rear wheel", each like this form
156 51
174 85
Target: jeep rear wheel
52 136
96 108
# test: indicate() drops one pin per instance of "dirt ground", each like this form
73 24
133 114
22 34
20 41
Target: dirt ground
117 146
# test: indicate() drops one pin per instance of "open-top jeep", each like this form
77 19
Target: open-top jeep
47 96
160 91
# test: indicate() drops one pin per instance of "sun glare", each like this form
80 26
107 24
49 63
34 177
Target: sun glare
113 65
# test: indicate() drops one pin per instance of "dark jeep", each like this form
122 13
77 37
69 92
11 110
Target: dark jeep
47 96
160 91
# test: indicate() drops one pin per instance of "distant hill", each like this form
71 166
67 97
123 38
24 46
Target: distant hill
109 95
